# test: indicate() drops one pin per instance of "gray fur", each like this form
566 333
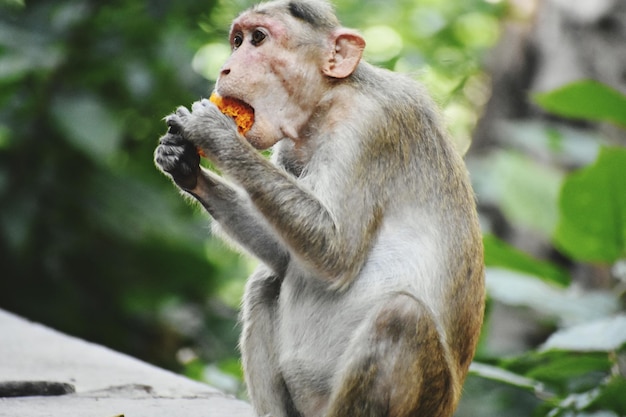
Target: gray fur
370 292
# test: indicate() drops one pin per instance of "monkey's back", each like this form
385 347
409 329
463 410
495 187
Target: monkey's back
428 242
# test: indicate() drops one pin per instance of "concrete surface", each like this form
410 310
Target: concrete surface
106 383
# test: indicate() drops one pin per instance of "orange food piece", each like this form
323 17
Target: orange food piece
238 110
241 112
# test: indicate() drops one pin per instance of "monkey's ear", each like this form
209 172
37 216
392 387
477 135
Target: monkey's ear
345 55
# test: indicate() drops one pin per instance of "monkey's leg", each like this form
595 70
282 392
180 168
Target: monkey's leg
395 366
259 353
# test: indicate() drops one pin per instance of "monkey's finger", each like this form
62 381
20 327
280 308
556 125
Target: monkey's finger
206 102
171 139
203 104
173 119
174 124
182 112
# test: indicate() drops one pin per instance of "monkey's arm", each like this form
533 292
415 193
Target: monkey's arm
309 228
239 219
231 208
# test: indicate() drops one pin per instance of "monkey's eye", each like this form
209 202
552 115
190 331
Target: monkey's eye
237 40
258 36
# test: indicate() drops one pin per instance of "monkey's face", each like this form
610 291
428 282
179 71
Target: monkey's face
279 78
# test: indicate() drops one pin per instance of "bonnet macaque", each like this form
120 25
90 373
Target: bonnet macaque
369 296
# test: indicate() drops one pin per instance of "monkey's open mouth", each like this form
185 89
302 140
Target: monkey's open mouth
241 112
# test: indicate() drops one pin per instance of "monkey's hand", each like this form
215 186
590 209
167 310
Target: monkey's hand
178 157
209 130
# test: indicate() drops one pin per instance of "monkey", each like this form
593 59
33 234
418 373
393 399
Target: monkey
369 295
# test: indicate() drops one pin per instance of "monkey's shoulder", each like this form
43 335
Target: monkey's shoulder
391 87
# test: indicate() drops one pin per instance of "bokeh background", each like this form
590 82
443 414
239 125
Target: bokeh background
95 242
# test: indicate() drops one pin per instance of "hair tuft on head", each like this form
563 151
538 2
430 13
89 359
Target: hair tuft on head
318 13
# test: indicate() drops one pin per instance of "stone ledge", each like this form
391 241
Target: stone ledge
106 383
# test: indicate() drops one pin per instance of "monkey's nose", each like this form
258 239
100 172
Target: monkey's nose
224 72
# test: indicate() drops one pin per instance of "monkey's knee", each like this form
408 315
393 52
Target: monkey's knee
398 318
402 369
420 377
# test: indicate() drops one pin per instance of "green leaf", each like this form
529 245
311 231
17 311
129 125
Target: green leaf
604 400
529 191
571 405
518 289
524 190
12 3
565 368
587 99
500 253
612 397
562 371
605 335
592 204
88 125
495 373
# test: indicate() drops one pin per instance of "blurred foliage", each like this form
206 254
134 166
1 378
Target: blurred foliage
93 240
579 370
96 242
586 99
592 203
